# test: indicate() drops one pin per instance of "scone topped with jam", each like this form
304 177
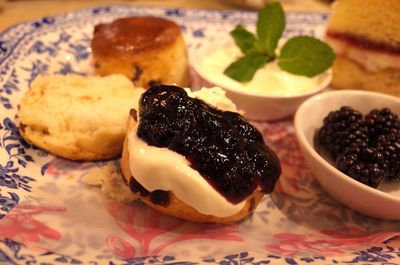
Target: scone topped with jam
146 49
190 160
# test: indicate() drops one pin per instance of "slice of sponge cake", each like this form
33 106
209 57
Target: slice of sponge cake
365 35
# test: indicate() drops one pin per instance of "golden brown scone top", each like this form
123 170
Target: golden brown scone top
134 35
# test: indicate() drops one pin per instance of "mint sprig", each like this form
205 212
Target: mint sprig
306 56
270 26
245 67
301 55
245 40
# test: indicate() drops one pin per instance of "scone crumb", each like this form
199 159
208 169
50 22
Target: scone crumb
111 182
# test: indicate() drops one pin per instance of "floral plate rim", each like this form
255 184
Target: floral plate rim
12 251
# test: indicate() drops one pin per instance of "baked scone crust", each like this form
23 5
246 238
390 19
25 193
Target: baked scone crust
178 208
76 117
147 50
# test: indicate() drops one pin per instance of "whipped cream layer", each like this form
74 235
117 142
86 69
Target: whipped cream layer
373 60
215 97
163 169
270 80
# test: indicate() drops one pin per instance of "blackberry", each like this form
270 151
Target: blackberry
363 164
389 147
221 145
342 129
382 121
366 149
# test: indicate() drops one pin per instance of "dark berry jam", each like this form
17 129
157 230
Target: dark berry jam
160 197
221 145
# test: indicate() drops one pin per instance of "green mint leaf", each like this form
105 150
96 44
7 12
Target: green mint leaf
270 26
244 39
306 56
245 67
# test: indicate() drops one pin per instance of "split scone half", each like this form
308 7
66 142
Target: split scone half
78 117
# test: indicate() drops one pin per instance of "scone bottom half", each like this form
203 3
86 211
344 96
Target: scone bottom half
61 114
228 152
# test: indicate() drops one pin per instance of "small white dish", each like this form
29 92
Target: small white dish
383 202
256 105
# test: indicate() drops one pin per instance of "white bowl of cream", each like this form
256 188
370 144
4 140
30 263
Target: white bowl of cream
272 93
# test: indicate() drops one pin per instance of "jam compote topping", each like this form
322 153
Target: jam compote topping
221 145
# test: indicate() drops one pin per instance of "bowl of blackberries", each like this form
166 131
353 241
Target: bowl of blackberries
351 142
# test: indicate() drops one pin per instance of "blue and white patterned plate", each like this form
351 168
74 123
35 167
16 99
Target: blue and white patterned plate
48 216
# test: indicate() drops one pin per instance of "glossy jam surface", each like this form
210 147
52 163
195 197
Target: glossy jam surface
133 35
228 152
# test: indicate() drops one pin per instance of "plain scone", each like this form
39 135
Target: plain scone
177 207
77 117
147 50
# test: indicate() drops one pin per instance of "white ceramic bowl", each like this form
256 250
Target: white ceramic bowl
383 202
255 106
